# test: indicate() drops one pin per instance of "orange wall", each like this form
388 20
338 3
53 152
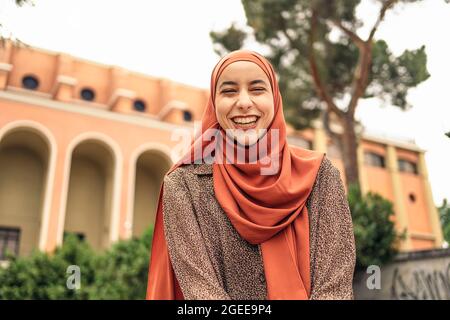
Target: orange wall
103 79
27 61
94 77
65 126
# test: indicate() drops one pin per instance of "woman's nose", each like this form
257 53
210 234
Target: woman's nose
244 102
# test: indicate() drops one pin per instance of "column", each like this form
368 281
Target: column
432 210
399 206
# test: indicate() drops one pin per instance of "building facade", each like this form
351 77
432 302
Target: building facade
84 148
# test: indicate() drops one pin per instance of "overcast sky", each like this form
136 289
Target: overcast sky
170 39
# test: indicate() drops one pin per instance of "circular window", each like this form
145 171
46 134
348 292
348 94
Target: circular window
87 94
139 105
187 115
412 197
30 82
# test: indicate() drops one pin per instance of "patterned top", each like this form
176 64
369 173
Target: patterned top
212 261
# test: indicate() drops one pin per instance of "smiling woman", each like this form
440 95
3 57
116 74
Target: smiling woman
234 231
244 101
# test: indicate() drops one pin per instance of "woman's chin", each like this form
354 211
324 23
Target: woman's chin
246 140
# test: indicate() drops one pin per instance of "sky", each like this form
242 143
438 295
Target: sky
170 39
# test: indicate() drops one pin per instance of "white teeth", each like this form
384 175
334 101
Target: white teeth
245 120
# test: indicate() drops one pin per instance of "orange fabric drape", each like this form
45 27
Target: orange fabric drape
265 209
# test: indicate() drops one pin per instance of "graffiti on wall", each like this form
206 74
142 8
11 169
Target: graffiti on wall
421 284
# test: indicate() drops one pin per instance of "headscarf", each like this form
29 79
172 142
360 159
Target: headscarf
265 209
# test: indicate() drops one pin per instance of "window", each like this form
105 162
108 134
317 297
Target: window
30 82
87 94
139 105
187 115
79 235
407 166
9 241
373 159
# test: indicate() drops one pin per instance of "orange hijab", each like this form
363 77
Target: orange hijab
269 210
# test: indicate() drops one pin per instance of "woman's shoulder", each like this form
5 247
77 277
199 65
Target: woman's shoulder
188 172
327 168
186 180
327 175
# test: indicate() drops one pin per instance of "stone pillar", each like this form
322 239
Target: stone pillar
363 180
64 87
400 211
320 138
122 100
432 210
5 69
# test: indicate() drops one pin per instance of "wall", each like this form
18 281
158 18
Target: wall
419 275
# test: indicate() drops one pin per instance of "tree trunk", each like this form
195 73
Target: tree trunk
350 150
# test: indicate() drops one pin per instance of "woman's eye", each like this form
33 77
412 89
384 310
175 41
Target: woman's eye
228 91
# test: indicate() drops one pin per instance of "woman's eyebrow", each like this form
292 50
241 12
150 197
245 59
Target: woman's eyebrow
232 83
257 81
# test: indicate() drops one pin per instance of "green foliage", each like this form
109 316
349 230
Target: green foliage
375 235
43 276
391 77
122 270
118 273
284 26
229 40
444 214
20 3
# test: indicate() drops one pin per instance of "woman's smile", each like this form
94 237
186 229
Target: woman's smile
245 122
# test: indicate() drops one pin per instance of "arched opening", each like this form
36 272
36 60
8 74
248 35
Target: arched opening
89 198
151 166
24 159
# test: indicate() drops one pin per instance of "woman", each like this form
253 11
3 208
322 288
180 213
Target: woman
233 223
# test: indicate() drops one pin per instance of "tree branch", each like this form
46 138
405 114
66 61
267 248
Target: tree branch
320 88
365 59
360 77
356 39
386 6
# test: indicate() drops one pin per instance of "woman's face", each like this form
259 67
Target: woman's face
244 101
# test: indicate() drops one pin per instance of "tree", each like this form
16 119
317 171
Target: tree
122 270
3 38
444 213
42 276
319 71
376 239
117 273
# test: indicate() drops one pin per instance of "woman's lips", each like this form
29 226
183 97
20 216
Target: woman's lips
245 126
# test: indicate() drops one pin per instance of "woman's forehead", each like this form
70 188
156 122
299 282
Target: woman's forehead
243 71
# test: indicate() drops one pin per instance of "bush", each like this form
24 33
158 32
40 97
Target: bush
122 270
375 235
118 273
444 214
43 276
